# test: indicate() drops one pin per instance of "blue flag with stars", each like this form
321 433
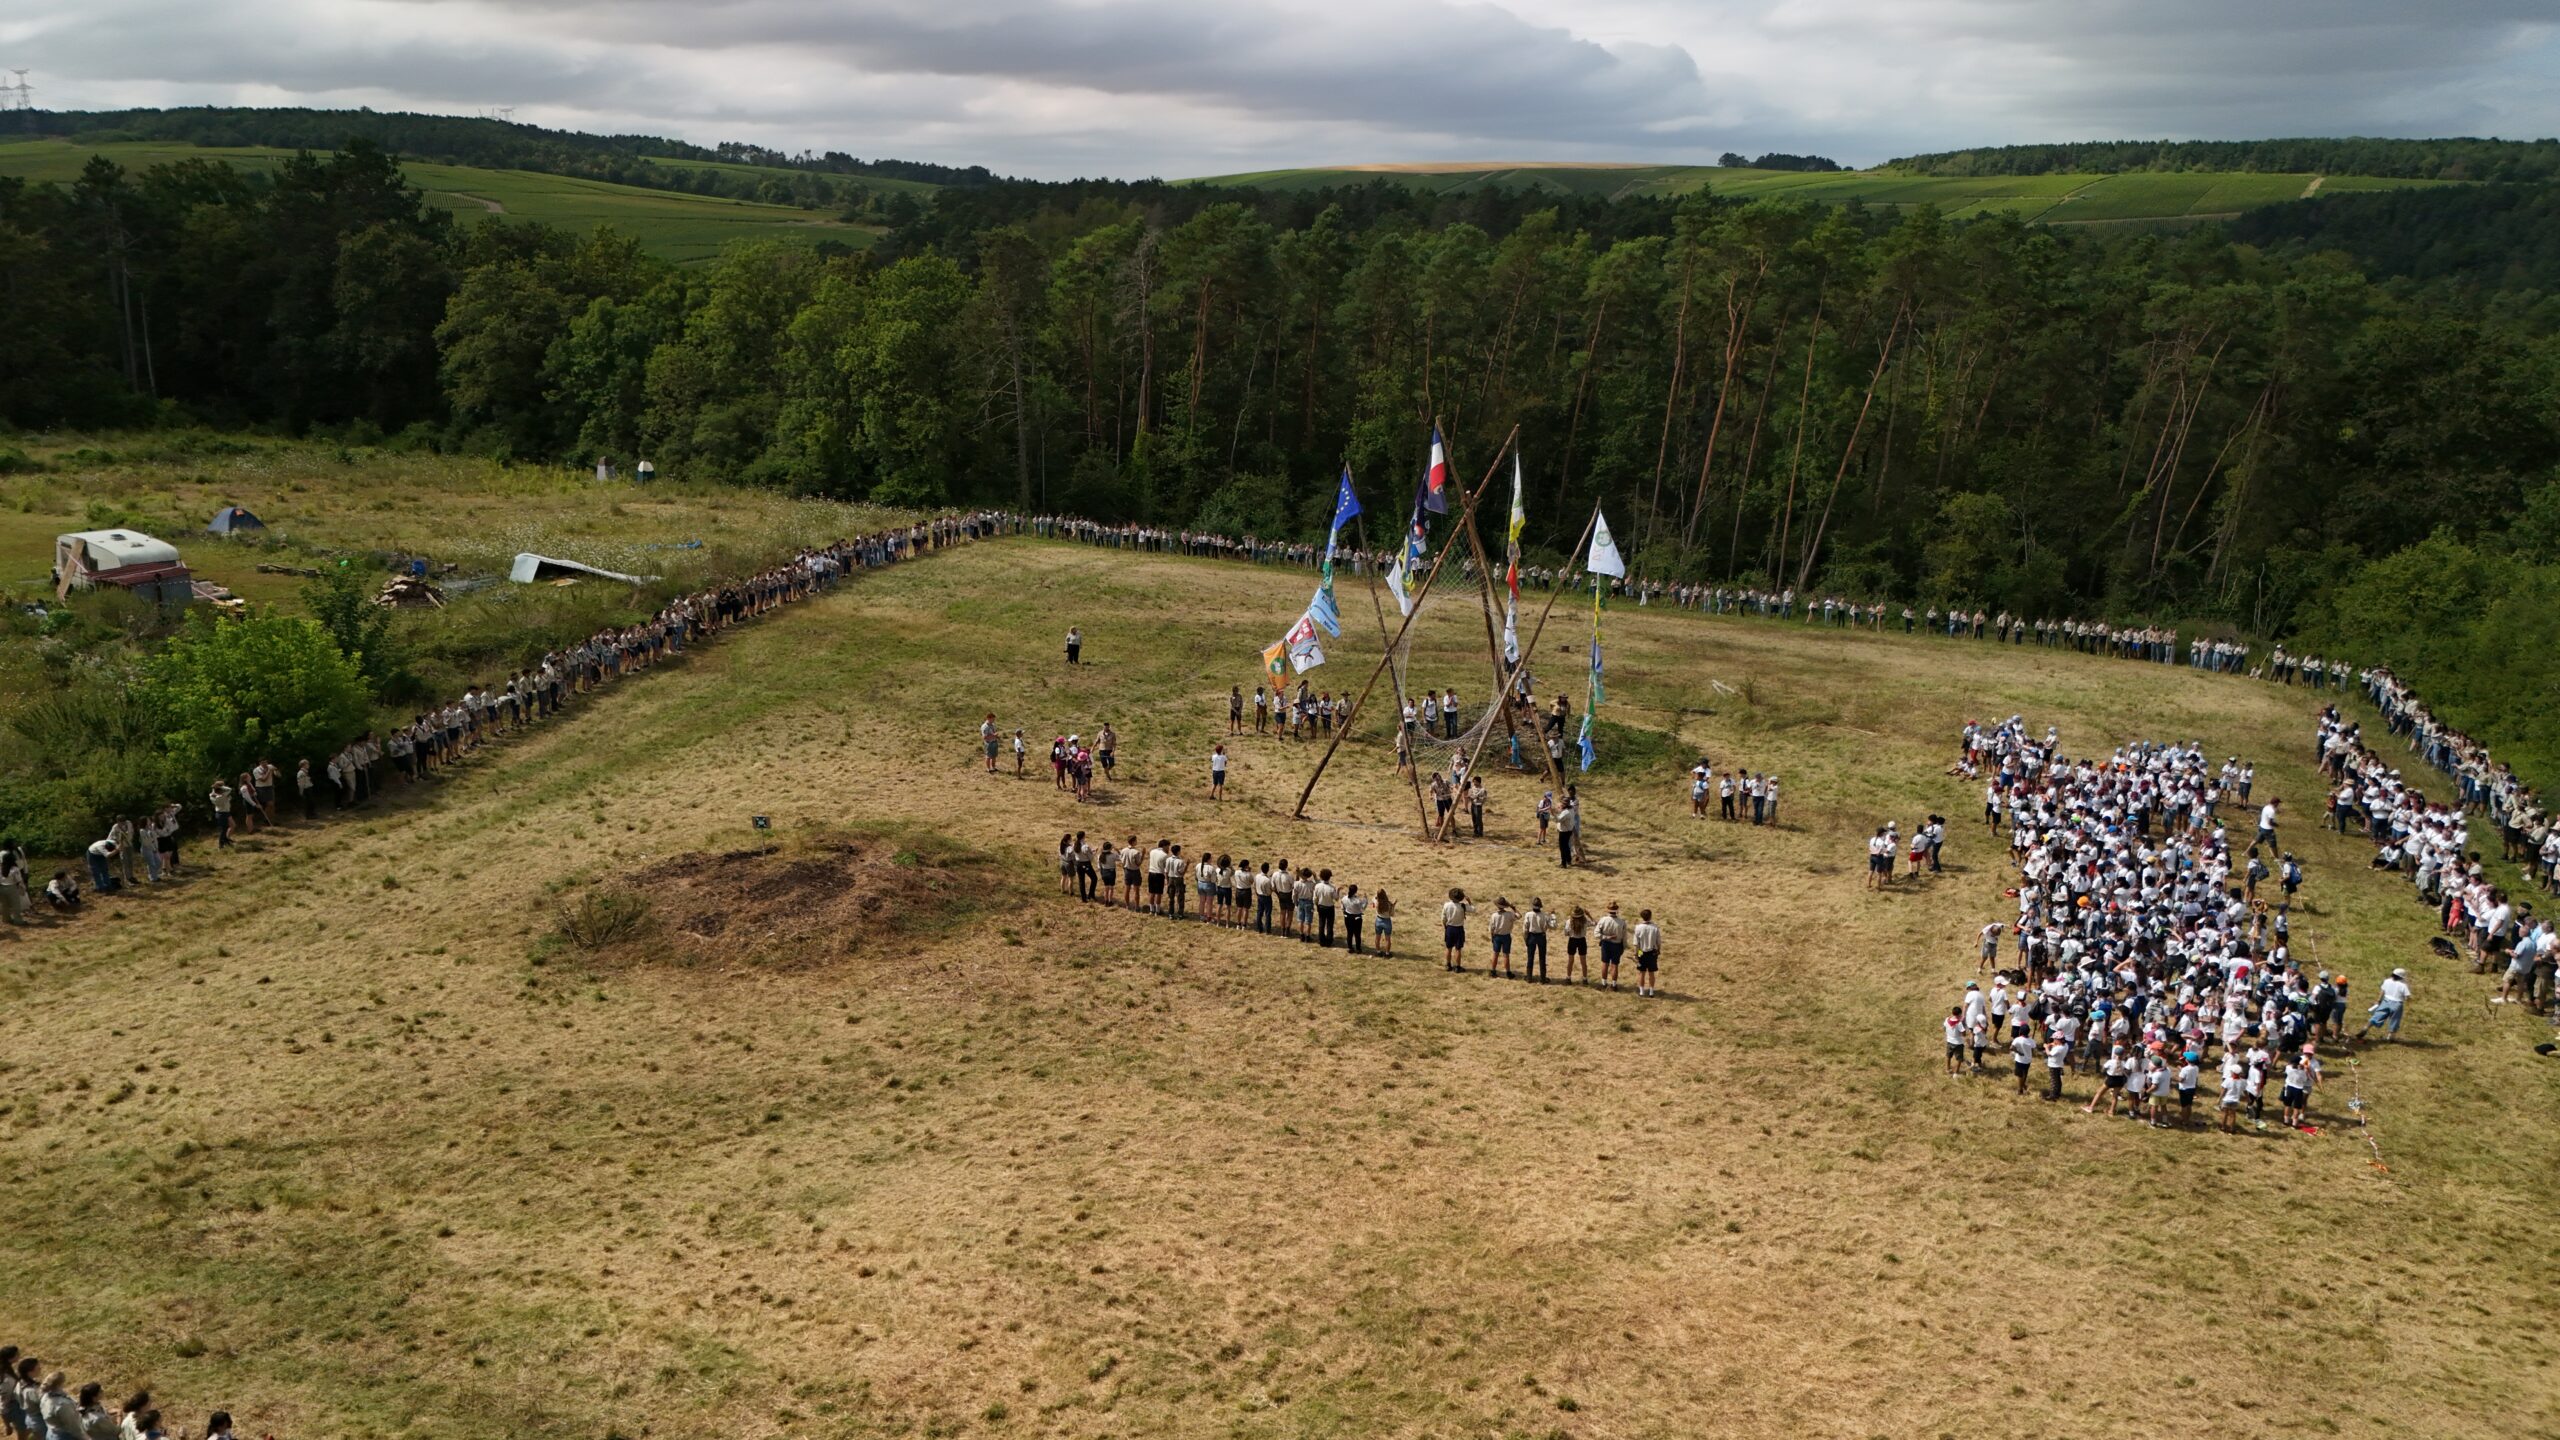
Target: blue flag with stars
1345 503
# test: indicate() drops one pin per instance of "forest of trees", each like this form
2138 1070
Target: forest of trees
2047 420
2474 237
1778 160
2454 159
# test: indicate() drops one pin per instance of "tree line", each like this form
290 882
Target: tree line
829 181
2471 237
2039 419
2448 159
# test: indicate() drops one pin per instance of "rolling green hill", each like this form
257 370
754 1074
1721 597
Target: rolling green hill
2059 199
675 226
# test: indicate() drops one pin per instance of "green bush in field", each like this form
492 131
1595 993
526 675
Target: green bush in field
341 601
227 692
76 758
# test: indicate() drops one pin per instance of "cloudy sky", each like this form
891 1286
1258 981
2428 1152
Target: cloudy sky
1186 87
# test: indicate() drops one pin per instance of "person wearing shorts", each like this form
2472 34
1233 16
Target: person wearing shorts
1612 933
1577 945
1453 931
1155 879
2114 1068
1648 942
1500 925
2022 1053
1218 773
1384 909
987 740
1954 1028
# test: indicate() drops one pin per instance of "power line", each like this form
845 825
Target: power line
16 93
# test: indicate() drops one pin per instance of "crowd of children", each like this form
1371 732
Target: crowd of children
36 1405
2143 958
1309 904
143 849
2427 841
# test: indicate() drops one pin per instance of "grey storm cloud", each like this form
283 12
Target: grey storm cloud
1473 69
1181 87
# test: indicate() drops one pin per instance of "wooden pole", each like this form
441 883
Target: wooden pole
1467 513
1554 777
1342 728
1503 672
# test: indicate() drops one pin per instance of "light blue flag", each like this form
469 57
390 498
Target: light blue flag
1324 611
1590 757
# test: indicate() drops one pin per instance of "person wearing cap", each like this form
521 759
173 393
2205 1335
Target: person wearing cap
2388 1011
1611 932
2116 1069
1453 931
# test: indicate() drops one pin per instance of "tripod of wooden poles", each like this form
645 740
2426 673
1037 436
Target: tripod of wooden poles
1506 671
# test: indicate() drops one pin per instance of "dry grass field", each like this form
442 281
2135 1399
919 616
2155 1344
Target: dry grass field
345 1134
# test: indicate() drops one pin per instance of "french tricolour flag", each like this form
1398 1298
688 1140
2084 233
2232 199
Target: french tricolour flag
1435 481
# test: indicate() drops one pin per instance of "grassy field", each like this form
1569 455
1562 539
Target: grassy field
686 229
343 1133
325 503
2059 199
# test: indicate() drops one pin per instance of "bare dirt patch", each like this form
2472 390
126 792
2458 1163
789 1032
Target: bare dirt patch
800 903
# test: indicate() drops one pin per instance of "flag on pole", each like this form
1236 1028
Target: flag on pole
1275 658
1305 653
1511 569
1435 479
1410 564
1323 610
1604 562
1605 559
1345 504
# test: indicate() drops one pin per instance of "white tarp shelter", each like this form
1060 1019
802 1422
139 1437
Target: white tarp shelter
530 568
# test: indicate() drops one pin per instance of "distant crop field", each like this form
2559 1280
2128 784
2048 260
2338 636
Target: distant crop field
685 229
2058 198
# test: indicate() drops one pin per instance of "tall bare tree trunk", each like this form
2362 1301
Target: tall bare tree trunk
1804 399
1813 549
1736 335
1581 388
1671 399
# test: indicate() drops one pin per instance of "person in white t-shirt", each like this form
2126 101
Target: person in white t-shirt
1646 940
1453 931
2387 1011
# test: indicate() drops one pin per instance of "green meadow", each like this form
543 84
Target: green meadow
686 229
